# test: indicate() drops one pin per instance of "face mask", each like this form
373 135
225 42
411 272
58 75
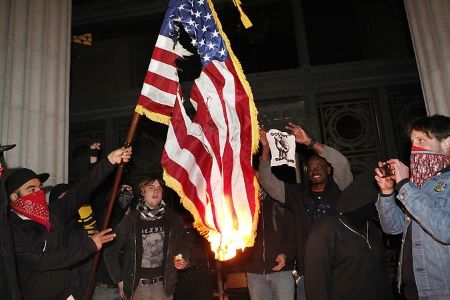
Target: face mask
34 207
125 196
425 164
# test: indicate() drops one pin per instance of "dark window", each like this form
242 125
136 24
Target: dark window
354 30
268 45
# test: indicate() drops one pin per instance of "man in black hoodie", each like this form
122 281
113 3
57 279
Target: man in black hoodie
344 252
269 263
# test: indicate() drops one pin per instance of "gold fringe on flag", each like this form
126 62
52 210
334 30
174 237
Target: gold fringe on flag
152 115
244 19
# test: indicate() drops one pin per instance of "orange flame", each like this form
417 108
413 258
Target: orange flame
236 230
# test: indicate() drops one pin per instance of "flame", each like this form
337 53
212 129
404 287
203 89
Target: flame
225 245
235 231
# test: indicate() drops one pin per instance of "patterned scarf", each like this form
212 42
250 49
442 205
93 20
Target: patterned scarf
33 207
424 164
151 214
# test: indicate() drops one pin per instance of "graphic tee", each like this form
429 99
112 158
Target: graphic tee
151 256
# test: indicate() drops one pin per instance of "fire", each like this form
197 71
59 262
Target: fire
235 230
225 245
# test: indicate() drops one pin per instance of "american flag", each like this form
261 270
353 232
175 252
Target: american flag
206 159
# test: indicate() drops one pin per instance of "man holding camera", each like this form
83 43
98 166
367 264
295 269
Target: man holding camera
424 219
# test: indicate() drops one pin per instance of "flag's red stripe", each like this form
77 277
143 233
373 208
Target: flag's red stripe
244 114
182 176
204 119
191 143
153 106
227 157
164 56
162 83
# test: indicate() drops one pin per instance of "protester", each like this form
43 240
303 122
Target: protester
344 253
73 232
195 282
105 289
154 246
270 262
9 286
328 173
43 250
423 212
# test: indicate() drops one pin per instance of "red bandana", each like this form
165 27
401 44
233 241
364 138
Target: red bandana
34 207
425 164
1 170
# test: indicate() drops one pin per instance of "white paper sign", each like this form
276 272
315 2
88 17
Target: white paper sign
282 148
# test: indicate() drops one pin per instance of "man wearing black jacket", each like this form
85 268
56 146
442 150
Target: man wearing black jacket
344 253
43 259
269 263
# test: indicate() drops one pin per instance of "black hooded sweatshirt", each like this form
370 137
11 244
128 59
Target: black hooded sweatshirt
344 252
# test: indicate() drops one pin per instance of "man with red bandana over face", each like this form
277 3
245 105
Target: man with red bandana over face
38 230
328 172
423 211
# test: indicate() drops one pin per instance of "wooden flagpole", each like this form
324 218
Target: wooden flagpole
112 199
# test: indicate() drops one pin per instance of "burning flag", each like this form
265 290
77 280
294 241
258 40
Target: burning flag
206 159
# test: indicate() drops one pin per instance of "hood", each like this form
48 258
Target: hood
361 192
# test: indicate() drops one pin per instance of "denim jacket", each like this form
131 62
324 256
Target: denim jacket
429 208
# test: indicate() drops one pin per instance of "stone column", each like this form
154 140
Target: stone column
34 84
429 23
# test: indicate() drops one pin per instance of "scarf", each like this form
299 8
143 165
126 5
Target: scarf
425 164
151 214
33 207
